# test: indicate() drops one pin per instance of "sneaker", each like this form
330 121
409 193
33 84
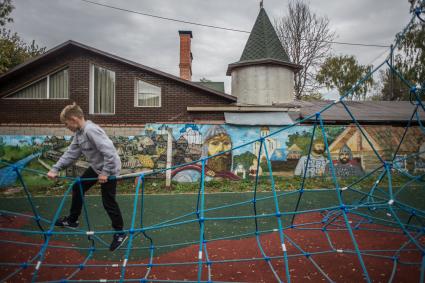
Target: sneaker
66 222
117 241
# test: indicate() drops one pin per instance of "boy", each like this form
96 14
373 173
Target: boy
91 141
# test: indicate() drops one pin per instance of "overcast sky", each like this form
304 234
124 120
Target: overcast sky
155 43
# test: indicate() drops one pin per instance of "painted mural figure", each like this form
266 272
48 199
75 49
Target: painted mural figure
216 140
345 166
317 163
253 169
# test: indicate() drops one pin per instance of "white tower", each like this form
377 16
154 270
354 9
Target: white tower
264 75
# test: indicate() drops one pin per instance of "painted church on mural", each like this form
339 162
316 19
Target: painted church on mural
149 113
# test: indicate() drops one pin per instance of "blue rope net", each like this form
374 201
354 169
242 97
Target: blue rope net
354 209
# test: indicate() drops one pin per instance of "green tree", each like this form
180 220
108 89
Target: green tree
6 8
13 50
303 139
409 60
245 159
393 88
313 96
341 73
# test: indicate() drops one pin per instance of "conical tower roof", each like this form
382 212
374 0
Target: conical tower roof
263 42
263 46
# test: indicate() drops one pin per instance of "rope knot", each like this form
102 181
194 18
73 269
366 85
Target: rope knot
24 265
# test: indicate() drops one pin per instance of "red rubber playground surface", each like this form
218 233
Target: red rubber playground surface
340 264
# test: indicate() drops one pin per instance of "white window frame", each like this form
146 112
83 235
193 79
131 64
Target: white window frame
47 77
136 95
91 91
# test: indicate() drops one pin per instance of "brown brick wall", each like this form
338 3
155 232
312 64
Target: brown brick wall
176 96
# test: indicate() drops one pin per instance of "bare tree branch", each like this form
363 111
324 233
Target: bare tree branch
306 37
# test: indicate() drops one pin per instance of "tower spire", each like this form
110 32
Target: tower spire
261 4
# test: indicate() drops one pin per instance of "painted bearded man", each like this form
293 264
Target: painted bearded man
316 164
345 166
216 140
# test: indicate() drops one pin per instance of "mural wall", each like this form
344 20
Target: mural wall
352 154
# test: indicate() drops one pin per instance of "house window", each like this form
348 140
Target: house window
58 85
53 86
102 90
147 95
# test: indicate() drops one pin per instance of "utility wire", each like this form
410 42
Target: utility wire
218 27
163 18
377 57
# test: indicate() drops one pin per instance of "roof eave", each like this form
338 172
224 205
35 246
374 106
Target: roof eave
268 61
34 59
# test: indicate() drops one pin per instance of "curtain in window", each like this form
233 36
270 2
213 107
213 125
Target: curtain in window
148 95
36 90
104 90
58 85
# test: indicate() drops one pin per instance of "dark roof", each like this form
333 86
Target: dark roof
263 42
263 46
366 112
363 111
219 86
52 53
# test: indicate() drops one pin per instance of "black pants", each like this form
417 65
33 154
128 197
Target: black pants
108 198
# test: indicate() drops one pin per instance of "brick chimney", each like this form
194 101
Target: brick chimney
185 55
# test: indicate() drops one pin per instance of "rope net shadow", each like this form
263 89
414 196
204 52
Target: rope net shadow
379 210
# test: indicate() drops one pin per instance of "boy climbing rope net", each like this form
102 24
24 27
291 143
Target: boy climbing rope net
91 141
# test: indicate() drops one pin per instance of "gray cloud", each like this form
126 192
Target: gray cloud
155 42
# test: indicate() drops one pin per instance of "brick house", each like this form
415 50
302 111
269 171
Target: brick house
111 90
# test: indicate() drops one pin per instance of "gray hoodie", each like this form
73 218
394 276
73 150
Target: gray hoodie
96 146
